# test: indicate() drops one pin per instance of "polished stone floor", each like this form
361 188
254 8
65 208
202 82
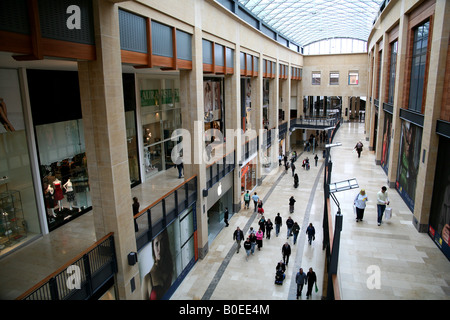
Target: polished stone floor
409 264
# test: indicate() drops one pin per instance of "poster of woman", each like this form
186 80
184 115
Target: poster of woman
408 162
386 142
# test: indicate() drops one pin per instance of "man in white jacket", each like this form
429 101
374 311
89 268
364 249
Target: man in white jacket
382 201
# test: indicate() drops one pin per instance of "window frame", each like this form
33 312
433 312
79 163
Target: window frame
316 81
331 77
353 73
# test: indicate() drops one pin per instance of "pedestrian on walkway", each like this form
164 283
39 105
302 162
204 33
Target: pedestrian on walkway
292 167
252 238
260 207
295 180
278 223
311 232
269 227
289 225
295 231
259 239
360 204
312 279
382 201
262 224
246 200
255 199
291 204
286 252
247 247
301 280
238 236
316 158
359 148
225 217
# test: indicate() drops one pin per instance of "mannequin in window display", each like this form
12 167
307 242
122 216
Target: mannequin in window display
58 192
4 117
50 200
69 192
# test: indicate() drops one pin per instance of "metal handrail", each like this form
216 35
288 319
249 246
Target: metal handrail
79 278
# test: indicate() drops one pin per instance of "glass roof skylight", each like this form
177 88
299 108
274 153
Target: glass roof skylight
308 21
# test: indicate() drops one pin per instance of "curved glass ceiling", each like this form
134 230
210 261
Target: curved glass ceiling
307 21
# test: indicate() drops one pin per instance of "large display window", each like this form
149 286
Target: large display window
386 144
160 116
19 218
213 108
56 113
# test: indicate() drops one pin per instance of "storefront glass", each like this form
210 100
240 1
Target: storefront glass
56 112
213 108
386 141
19 218
160 116
248 176
129 95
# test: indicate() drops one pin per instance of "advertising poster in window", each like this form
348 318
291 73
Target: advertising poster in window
408 162
165 261
439 224
386 144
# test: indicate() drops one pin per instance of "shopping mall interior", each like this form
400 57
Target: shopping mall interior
144 142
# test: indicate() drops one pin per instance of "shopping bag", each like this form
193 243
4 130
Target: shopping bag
387 213
317 289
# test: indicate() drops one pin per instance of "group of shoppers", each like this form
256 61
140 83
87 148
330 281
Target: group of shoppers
361 200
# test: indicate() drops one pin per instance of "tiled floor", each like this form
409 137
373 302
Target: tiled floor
409 263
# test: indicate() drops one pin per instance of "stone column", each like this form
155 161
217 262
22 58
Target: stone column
430 140
398 100
192 106
383 80
106 145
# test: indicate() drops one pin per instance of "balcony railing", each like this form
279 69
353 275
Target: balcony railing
157 216
80 278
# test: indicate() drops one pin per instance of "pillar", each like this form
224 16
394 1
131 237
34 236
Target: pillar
106 148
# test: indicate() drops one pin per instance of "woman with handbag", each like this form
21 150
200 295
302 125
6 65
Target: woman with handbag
360 204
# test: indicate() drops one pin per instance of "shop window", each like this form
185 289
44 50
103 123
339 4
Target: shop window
19 219
418 65
160 116
392 67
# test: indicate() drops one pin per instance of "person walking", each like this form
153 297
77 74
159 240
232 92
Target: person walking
311 232
291 204
278 223
382 201
316 158
238 236
255 199
225 217
289 225
246 200
180 168
259 239
292 167
295 231
269 227
247 247
252 238
311 280
286 252
135 207
359 148
262 224
360 204
301 280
